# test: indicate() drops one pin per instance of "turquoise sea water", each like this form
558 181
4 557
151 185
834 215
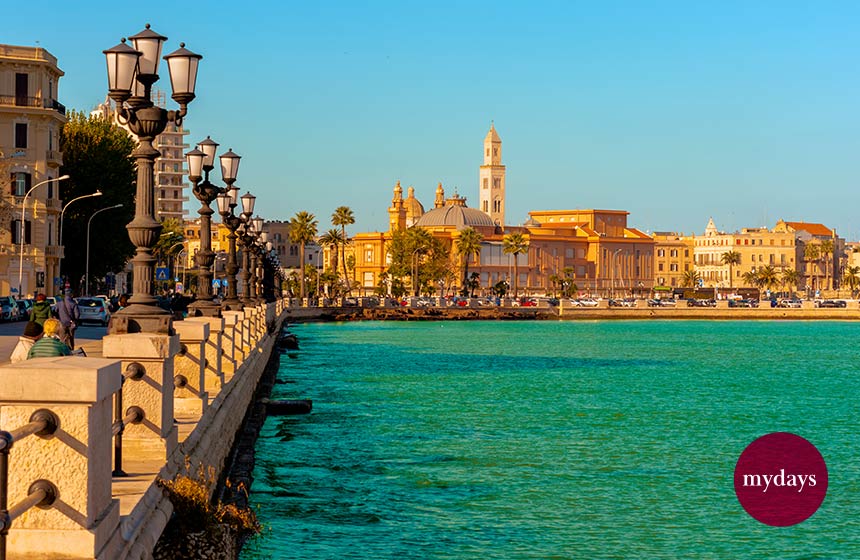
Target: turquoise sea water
462 440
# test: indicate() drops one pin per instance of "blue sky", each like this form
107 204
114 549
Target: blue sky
674 111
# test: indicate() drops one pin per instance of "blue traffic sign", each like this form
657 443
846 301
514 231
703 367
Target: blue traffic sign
161 273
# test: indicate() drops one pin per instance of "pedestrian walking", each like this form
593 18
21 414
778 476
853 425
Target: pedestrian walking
50 344
32 333
41 310
69 315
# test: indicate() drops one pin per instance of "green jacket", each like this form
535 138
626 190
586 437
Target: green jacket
48 347
41 311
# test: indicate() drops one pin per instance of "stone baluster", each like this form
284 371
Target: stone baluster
192 398
235 321
76 458
215 374
157 435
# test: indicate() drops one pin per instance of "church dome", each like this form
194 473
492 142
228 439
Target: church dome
455 213
414 208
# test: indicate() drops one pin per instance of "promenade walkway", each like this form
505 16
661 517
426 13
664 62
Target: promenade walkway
192 387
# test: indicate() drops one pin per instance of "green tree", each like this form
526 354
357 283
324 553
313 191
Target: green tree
790 277
303 230
751 279
768 277
852 278
825 247
332 239
811 254
515 244
343 216
420 256
691 279
730 258
96 156
468 244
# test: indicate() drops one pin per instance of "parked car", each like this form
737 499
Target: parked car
9 310
743 303
584 302
693 302
790 302
831 303
24 307
93 310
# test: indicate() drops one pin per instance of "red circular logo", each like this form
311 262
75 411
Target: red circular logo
781 479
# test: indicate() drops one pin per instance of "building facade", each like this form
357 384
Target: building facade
673 258
31 119
596 250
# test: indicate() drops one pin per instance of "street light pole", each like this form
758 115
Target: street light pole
203 159
62 220
21 228
89 222
131 75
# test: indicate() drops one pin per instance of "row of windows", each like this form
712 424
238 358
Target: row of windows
747 241
672 252
714 259
497 183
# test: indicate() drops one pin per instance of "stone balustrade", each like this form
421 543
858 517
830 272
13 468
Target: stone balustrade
188 423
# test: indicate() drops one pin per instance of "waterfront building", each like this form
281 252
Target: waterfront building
594 249
783 247
673 258
31 119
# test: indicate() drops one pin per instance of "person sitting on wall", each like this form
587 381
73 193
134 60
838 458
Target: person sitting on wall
32 333
50 344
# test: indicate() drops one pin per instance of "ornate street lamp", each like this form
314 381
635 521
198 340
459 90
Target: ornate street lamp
131 75
246 238
256 256
227 202
203 159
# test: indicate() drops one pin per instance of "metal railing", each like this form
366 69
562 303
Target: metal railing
134 415
42 493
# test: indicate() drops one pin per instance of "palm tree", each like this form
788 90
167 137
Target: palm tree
468 244
303 230
767 277
515 244
852 277
730 258
826 249
791 277
332 239
419 242
691 279
811 253
343 216
751 278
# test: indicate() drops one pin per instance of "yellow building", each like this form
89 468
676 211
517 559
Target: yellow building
30 122
596 248
673 258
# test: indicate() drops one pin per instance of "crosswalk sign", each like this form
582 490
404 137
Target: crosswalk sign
161 273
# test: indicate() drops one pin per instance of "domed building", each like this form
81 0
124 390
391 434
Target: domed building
595 249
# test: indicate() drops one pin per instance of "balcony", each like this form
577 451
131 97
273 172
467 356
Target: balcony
55 251
32 102
53 204
54 158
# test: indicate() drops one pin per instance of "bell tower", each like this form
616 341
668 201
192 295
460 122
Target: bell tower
397 211
491 178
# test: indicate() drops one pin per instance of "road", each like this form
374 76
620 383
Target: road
9 333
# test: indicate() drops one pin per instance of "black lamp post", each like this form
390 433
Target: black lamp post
227 202
255 255
131 74
203 158
246 238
